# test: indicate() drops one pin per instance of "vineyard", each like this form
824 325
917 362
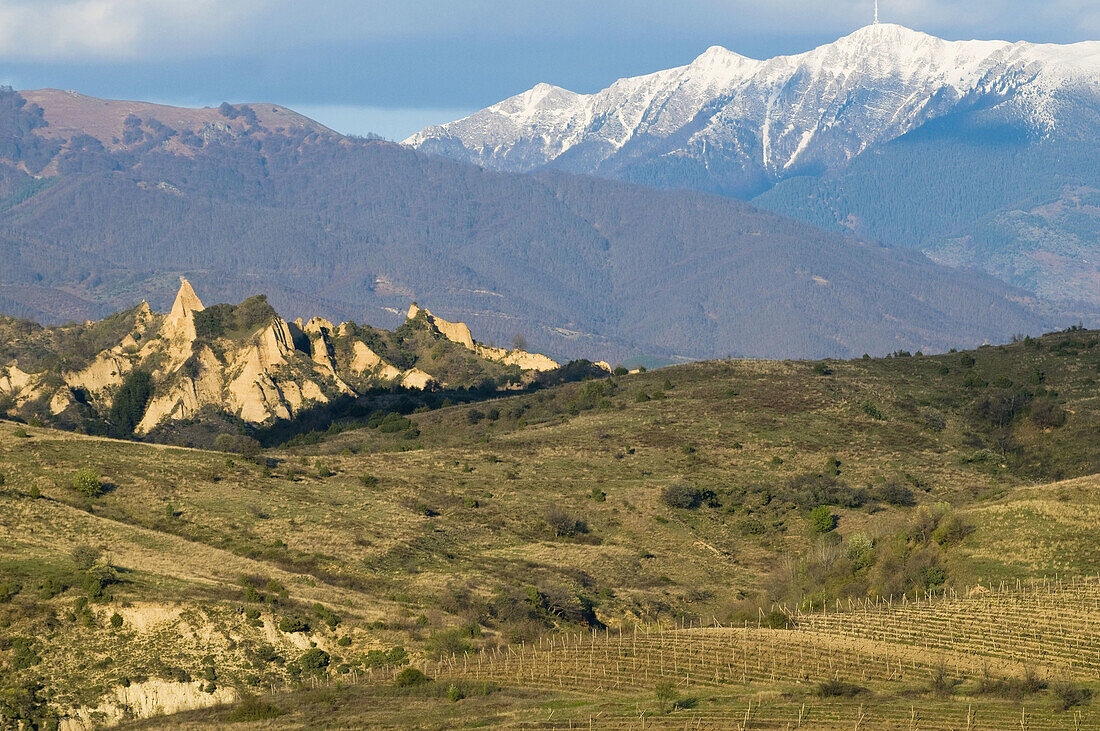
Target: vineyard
891 652
1051 624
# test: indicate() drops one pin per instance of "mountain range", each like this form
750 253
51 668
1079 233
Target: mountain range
106 203
981 153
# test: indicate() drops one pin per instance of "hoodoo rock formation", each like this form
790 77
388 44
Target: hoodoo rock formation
244 361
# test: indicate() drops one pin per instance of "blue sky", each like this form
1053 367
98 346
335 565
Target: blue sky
394 67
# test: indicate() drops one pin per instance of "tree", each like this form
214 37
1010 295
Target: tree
822 519
519 342
130 402
86 481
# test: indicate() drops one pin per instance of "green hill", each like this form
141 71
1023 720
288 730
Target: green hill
139 577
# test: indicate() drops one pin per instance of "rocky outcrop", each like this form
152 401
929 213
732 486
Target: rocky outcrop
458 332
366 361
253 393
247 361
416 378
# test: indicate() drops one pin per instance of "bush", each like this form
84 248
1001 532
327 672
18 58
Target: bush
97 579
293 624
116 620
238 444
683 495
326 615
871 409
252 708
895 493
1047 414
811 489
86 481
409 677
85 556
940 683
1012 688
822 519
952 529
563 524
839 689
368 480
8 590
667 696
777 619
859 546
314 660
598 495
454 693
1070 696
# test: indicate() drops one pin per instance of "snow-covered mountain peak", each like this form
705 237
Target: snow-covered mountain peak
760 120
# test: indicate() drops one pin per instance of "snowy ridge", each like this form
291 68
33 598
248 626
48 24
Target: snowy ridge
769 118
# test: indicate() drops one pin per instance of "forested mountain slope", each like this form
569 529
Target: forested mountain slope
982 152
356 229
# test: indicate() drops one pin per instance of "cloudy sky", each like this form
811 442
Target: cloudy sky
393 67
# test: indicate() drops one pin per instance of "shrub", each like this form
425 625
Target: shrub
598 495
777 619
1012 688
1070 696
293 624
86 481
895 493
822 369
667 696
871 409
454 641
454 693
839 689
116 620
8 591
314 660
21 434
368 480
683 495
251 708
97 579
326 615
940 683
951 529
563 524
822 519
409 677
810 490
237 443
85 556
1047 414
859 545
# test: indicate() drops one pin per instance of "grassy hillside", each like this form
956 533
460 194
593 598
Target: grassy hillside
710 493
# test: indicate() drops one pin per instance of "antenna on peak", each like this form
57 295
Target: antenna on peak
876 12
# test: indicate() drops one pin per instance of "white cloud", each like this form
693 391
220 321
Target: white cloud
114 29
135 29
